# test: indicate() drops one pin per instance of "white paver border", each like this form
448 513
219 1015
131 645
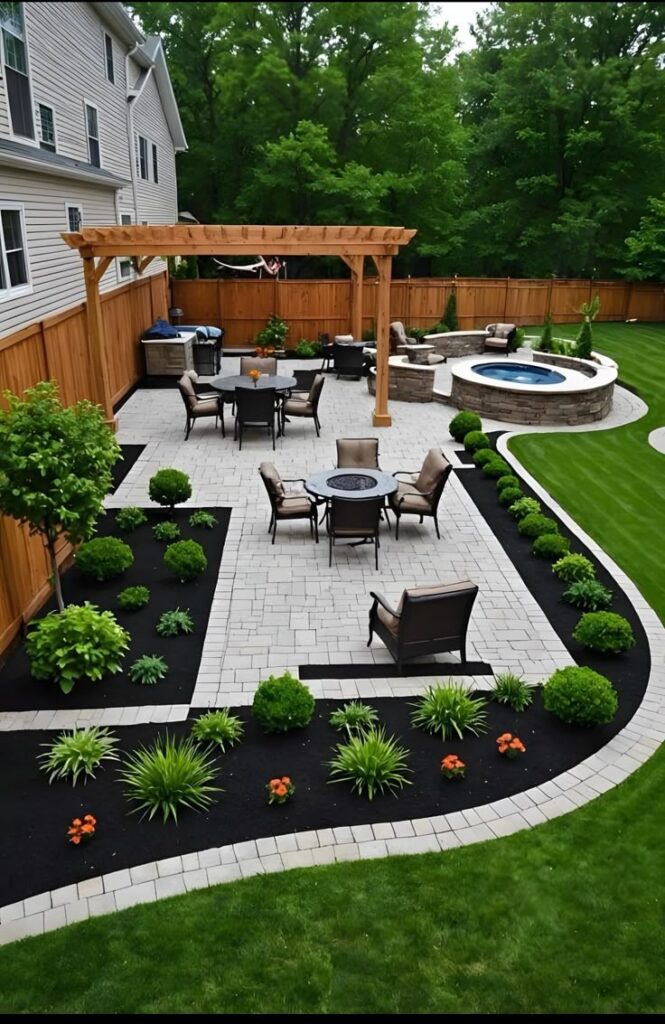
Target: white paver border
609 766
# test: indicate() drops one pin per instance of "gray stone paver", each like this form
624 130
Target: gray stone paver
325 622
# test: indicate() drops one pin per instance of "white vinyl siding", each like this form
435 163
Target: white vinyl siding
14 266
157 201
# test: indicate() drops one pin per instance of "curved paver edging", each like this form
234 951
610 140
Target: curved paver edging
609 766
657 439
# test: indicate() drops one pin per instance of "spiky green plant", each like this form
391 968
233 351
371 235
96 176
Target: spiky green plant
174 622
79 751
169 775
512 690
355 717
148 669
448 709
590 595
372 762
218 727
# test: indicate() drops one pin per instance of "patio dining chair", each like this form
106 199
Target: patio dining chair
267 364
349 360
428 620
286 505
255 407
357 453
306 407
419 494
197 406
354 518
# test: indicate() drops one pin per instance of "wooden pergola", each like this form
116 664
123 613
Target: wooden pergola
99 246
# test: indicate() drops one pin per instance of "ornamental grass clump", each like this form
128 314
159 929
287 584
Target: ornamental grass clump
104 558
169 487
461 424
76 644
574 567
512 690
605 632
282 703
78 753
355 717
524 507
186 559
590 595
130 518
169 775
219 728
148 670
132 599
448 709
535 525
550 546
372 762
475 440
175 622
580 696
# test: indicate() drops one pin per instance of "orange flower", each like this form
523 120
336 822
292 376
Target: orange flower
275 783
89 817
77 821
76 840
505 737
286 780
281 790
88 829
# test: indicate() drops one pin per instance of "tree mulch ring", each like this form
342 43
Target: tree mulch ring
20 692
35 815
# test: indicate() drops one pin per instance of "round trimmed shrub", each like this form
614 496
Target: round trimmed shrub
167 531
605 632
186 559
475 440
496 467
509 480
169 487
572 568
524 507
130 518
132 599
551 546
580 696
282 703
535 525
104 557
485 455
462 423
509 495
75 644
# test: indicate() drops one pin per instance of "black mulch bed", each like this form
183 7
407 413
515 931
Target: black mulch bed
20 692
466 458
454 668
35 815
629 671
130 454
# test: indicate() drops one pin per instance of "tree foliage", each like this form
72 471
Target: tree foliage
55 466
646 245
533 154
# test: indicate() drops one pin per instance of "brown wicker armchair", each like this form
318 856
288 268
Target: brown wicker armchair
287 506
307 407
354 518
265 365
419 494
357 453
427 620
197 407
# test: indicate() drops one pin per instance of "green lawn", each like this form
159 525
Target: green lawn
565 918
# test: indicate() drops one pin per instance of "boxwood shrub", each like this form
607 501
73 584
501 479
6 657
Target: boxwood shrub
485 455
534 525
186 559
282 703
580 696
475 440
509 495
550 546
509 480
605 632
130 518
169 487
462 423
524 507
496 467
132 599
104 557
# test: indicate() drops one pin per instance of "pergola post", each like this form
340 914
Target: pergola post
92 275
355 265
381 417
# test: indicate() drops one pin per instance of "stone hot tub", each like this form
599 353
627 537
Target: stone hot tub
548 389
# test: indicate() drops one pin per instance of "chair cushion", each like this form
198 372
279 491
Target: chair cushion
357 453
207 407
390 621
297 407
439 588
344 339
269 473
498 343
295 507
503 330
407 499
433 359
430 474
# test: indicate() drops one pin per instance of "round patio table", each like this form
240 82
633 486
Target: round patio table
351 483
228 384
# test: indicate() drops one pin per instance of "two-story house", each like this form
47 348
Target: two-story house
89 132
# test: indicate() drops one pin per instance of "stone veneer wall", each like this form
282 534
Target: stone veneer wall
409 382
457 343
570 362
571 408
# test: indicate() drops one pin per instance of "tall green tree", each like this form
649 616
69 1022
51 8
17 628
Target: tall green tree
565 104
646 244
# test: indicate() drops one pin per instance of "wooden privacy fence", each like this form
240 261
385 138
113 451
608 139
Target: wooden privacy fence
57 348
312 307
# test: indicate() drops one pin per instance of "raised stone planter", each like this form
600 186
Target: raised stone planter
457 343
407 382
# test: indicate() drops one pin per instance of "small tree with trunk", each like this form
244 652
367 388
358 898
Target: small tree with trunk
55 467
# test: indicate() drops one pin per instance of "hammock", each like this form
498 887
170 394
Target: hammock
272 265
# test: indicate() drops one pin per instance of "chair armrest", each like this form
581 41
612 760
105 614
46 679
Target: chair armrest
405 472
293 480
297 497
379 599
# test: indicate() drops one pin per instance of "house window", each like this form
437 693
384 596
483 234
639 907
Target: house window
108 56
155 176
92 128
13 252
124 263
74 216
46 125
141 152
15 58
